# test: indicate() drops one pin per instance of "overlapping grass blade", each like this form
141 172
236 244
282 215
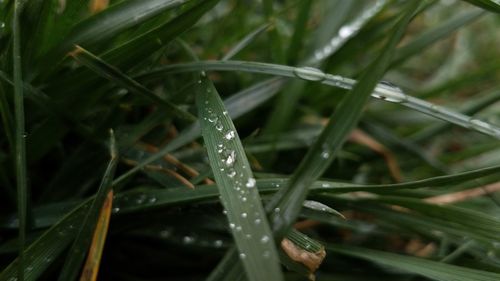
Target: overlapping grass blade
110 72
107 24
19 137
47 247
250 97
72 265
287 202
236 184
490 5
427 268
91 267
383 91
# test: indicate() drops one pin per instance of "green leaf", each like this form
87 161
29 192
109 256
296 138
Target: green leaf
20 137
78 250
241 200
288 200
110 72
490 5
426 268
108 24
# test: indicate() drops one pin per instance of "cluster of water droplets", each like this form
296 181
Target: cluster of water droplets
391 93
345 33
132 200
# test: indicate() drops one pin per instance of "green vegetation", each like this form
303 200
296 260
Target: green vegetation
249 140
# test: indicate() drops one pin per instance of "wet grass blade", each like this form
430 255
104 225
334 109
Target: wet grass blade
19 138
112 73
287 202
72 265
91 267
383 91
240 198
427 268
250 97
48 247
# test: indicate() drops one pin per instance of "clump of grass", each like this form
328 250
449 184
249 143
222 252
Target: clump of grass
257 165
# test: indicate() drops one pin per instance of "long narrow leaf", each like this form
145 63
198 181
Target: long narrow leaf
241 200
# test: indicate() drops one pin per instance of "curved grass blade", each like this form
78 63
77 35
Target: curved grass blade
19 137
490 5
247 219
345 33
82 241
287 202
110 72
383 91
250 97
107 24
138 48
91 267
427 268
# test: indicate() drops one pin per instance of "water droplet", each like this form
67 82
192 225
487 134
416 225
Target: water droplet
219 126
266 254
218 243
165 233
212 118
309 73
230 135
277 210
224 212
29 268
231 158
248 236
242 256
188 240
345 31
231 173
224 112
264 239
325 185
152 200
232 225
257 221
199 81
244 215
244 199
325 154
140 199
238 228
250 183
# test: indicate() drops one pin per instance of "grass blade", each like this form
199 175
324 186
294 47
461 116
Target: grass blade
110 72
20 137
430 269
287 202
237 187
245 41
490 5
82 241
91 267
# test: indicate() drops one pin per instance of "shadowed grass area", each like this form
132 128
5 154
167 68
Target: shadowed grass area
253 140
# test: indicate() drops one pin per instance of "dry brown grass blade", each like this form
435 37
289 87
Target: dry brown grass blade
362 138
464 195
157 168
91 267
311 260
96 6
174 161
